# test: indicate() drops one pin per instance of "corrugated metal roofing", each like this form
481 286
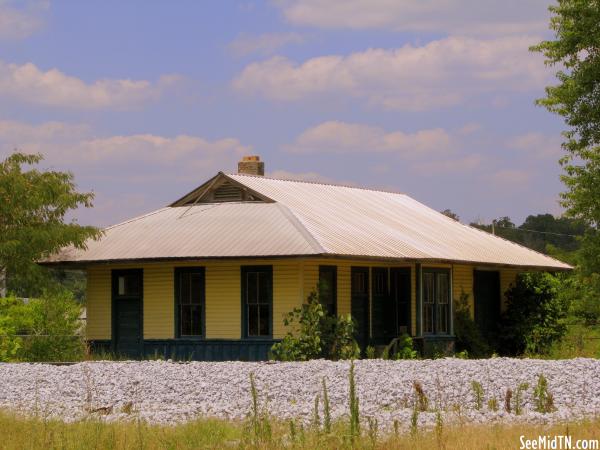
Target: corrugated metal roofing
307 219
208 230
362 222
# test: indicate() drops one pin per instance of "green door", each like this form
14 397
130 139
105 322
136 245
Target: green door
486 292
359 294
127 312
383 308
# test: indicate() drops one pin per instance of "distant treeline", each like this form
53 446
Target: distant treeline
542 232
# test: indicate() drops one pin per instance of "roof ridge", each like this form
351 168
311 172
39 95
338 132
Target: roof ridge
297 223
151 213
321 183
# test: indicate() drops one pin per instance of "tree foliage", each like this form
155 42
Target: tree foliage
33 205
535 315
42 329
468 337
544 233
575 51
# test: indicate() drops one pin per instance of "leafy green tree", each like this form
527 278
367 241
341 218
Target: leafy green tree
535 315
575 51
33 205
50 327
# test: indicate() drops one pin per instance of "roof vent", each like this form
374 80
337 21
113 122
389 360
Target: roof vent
251 165
227 192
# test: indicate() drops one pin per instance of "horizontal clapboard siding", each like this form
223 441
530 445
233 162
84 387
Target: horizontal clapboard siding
286 293
462 284
158 302
98 303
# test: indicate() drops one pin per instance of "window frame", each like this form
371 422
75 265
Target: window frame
177 274
244 270
333 269
436 305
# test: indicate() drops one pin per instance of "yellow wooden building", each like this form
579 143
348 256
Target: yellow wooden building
211 276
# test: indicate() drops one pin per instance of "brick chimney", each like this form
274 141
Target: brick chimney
251 165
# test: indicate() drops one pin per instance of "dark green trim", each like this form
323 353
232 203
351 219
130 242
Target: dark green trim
178 271
354 305
435 333
243 271
323 269
419 299
407 271
197 350
114 274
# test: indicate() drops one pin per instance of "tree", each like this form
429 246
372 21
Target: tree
576 52
535 315
576 97
33 205
451 214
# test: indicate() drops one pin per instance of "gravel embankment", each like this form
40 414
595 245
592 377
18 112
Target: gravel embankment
165 392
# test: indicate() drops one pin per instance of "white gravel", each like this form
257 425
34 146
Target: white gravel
166 392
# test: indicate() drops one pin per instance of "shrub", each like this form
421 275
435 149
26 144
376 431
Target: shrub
51 324
315 334
535 315
9 343
400 348
467 335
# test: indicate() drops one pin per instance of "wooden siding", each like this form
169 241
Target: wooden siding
293 280
286 290
159 310
98 304
462 283
223 300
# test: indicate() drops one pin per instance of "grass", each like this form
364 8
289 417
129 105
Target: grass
31 433
580 341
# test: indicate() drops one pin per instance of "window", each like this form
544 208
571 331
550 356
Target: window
436 301
257 301
328 288
128 285
189 301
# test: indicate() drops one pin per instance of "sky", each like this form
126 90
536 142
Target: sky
145 100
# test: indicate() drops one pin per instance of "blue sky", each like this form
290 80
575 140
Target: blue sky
143 101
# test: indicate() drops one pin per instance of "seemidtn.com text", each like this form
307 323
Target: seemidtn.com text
558 442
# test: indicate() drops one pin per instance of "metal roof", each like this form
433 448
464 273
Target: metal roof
305 218
207 230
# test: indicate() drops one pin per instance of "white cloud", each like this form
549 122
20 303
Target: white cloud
450 16
538 144
29 84
264 44
439 74
19 23
342 137
130 174
60 142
